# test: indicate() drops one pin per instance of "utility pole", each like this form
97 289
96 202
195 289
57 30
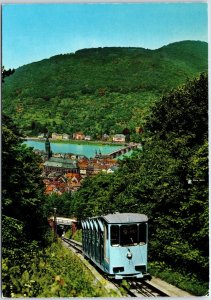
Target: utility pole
55 225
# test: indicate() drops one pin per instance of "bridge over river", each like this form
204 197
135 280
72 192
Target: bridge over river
123 150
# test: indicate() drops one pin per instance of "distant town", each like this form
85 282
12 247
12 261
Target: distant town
79 136
65 172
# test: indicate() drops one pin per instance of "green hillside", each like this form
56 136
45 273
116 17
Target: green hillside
99 90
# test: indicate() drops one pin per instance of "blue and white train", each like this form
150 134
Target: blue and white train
117 244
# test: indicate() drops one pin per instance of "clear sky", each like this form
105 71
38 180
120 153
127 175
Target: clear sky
32 32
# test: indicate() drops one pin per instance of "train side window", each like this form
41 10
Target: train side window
129 235
142 233
114 235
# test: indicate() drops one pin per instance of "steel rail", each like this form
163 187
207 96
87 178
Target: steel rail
76 245
144 288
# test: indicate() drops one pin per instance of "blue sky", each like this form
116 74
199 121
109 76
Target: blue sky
32 32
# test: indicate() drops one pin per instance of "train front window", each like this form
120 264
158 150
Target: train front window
128 235
142 233
114 235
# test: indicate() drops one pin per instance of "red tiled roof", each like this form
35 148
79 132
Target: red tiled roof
72 175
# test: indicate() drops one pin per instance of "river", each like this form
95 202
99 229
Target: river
89 150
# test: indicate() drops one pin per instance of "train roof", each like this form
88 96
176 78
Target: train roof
125 218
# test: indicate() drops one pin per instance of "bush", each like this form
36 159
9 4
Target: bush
77 236
53 272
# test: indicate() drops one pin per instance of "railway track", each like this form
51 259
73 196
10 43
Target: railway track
144 288
77 246
135 288
141 289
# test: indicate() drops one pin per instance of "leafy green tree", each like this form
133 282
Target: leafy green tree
62 203
6 73
24 228
92 199
22 187
184 111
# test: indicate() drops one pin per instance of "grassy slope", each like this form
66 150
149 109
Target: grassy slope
99 90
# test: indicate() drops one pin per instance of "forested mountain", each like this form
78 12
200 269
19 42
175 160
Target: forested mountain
99 90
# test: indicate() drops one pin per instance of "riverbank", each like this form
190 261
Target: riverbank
78 142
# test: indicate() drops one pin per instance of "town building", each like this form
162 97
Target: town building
83 165
62 165
105 137
41 136
57 136
66 136
88 138
79 136
119 138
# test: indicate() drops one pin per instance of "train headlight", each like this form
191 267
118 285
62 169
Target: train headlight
129 254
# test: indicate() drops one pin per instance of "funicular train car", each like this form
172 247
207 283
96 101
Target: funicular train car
117 244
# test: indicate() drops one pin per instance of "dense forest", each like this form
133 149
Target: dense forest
105 90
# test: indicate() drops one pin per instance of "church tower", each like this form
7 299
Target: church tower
48 148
